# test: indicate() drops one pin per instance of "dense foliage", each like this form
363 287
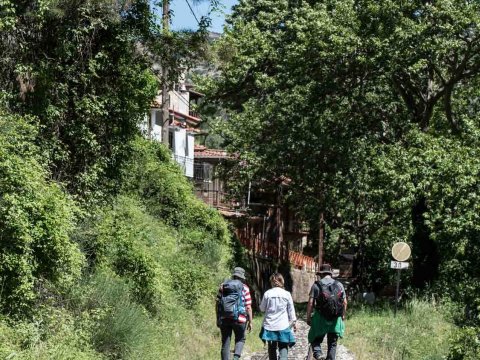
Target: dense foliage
87 70
105 252
36 217
370 108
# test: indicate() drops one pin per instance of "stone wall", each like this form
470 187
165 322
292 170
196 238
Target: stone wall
298 282
302 282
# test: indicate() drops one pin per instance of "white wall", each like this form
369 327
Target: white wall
179 101
180 136
189 155
152 121
182 154
156 118
144 125
178 151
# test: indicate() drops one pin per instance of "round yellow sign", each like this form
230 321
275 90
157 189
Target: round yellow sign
401 251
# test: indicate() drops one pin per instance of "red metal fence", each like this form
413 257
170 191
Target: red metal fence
255 243
301 261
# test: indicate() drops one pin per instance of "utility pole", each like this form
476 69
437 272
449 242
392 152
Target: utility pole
165 94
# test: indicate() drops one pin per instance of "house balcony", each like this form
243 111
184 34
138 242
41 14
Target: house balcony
214 198
194 114
186 164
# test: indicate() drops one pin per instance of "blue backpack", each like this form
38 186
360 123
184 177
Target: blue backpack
231 304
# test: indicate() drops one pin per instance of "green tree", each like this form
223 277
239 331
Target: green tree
88 70
357 102
36 217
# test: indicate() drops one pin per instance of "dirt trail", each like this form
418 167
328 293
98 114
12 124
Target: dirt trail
300 350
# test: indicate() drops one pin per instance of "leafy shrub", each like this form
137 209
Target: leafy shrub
465 344
157 181
192 282
120 325
36 217
124 238
52 335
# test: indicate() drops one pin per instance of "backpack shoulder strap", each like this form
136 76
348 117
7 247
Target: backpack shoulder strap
337 288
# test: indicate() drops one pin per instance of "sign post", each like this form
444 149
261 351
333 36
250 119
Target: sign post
400 252
397 292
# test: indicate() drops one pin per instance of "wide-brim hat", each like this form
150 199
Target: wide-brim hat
239 273
325 269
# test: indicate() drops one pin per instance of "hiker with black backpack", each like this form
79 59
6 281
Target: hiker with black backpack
234 312
328 303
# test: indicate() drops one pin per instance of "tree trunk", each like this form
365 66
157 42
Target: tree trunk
280 252
321 236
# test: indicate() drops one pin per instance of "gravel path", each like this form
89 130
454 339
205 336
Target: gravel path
300 350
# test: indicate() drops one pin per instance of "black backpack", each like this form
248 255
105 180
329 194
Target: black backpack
231 304
329 301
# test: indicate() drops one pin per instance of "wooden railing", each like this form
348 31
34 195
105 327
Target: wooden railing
214 198
194 114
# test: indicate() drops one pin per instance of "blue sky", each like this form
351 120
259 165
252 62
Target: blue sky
184 19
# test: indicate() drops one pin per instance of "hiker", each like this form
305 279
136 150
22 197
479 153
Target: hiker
277 304
234 312
328 298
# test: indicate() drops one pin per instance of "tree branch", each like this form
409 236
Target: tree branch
407 97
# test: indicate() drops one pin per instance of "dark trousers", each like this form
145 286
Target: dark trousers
282 350
226 329
331 344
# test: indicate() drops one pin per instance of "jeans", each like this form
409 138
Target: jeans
226 328
331 344
282 350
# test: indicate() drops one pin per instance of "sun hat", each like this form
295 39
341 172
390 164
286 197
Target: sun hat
239 273
325 269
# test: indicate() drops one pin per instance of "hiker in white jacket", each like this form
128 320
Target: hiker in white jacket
279 319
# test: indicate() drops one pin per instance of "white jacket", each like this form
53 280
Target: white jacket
277 304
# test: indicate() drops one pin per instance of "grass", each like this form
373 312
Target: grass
253 342
420 331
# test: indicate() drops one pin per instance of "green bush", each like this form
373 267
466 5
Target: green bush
155 179
465 344
124 238
53 334
154 256
119 326
36 217
192 282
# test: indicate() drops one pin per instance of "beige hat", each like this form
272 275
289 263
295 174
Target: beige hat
239 273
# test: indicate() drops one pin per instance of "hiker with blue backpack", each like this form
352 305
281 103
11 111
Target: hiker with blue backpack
234 313
280 318
328 303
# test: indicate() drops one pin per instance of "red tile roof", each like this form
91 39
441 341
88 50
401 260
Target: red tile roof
202 152
178 115
185 126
